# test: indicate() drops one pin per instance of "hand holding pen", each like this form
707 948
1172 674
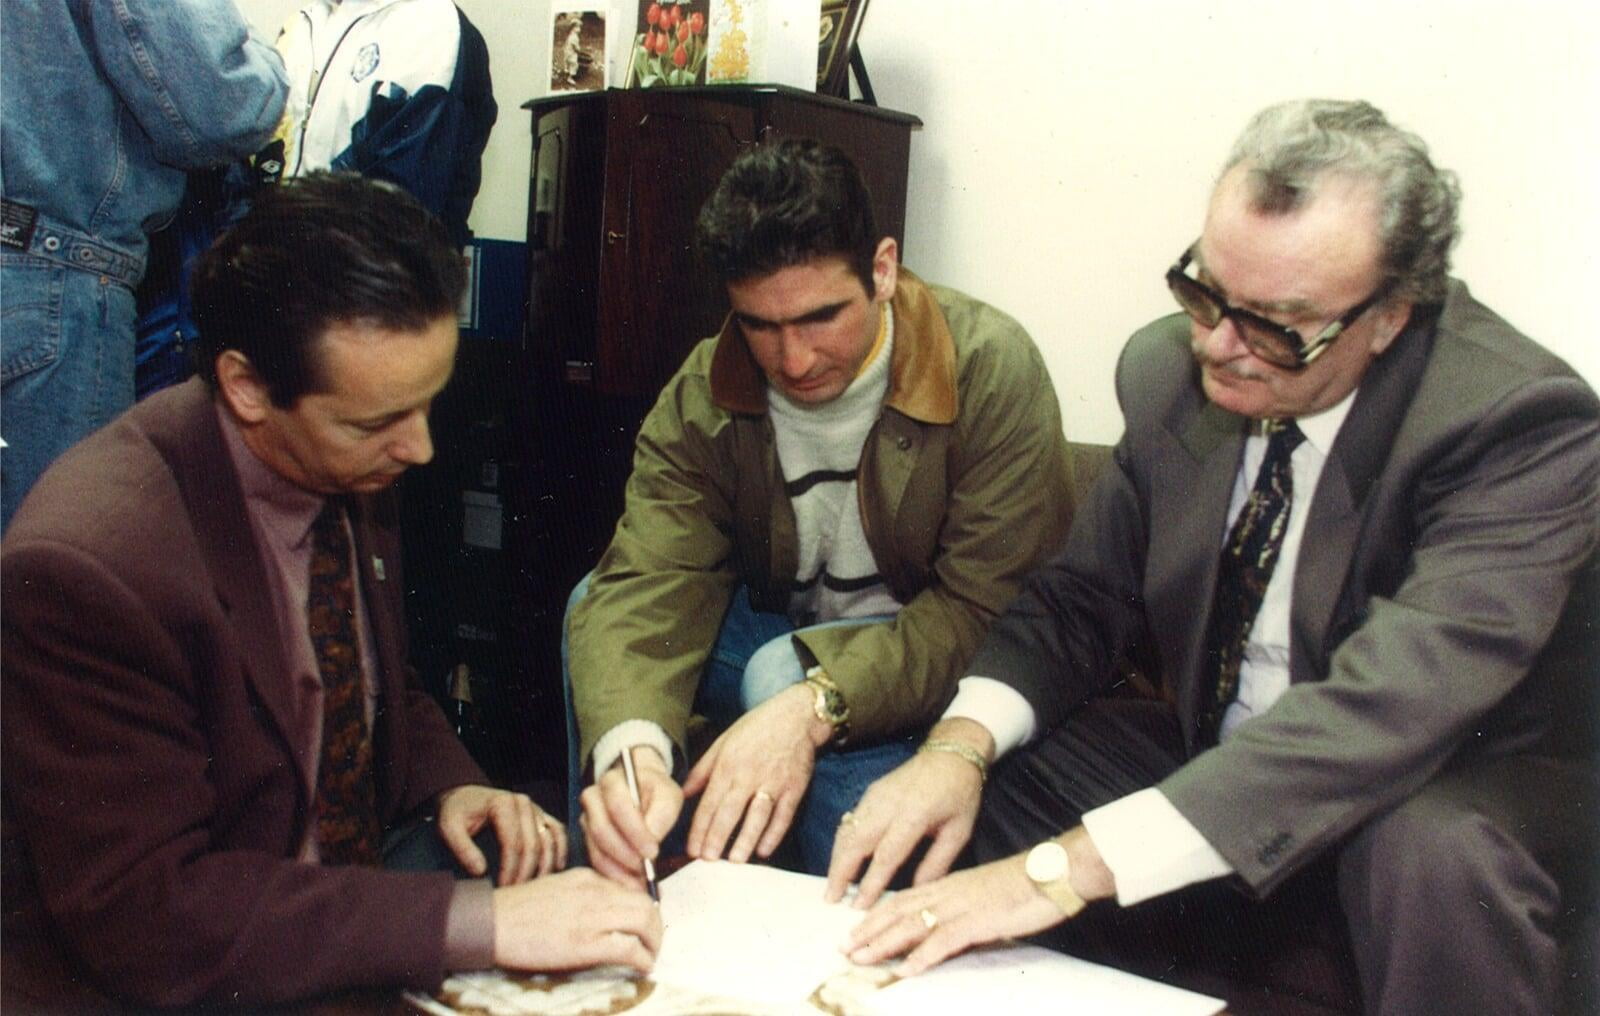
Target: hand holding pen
650 884
626 814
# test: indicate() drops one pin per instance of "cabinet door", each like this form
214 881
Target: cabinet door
564 238
667 154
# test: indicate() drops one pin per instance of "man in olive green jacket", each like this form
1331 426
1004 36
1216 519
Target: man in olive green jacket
830 501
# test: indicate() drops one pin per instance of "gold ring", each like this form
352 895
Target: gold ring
847 819
762 795
930 920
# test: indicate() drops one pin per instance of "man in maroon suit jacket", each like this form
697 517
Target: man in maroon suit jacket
164 715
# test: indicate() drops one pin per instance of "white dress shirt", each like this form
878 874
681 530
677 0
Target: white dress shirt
1149 846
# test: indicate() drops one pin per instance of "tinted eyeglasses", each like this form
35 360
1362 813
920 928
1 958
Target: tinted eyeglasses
1277 344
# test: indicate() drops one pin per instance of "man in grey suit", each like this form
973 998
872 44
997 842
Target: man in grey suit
1348 511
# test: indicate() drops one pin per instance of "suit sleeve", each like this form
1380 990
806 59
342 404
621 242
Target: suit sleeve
1506 517
113 783
1008 508
200 85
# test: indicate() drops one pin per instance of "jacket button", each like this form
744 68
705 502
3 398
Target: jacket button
903 442
52 243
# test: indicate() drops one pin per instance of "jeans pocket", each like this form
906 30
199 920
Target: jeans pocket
30 314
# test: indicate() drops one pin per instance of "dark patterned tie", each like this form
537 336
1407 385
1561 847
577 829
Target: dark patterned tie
1247 562
347 813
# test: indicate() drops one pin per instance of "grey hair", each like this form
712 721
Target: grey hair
1289 146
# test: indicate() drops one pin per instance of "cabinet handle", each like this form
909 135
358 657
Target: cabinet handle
612 236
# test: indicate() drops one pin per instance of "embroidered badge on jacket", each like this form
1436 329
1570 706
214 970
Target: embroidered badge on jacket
365 63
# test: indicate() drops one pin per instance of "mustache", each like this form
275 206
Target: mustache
1237 368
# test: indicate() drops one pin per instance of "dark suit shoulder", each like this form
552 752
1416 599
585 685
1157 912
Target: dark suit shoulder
1156 376
1478 358
114 497
1483 381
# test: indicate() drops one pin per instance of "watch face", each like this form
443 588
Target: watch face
827 703
1047 862
835 703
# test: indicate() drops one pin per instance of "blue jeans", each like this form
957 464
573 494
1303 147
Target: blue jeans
752 660
66 364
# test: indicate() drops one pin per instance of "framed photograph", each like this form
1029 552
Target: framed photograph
669 44
836 39
577 50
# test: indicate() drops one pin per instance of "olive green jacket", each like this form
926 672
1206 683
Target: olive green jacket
964 487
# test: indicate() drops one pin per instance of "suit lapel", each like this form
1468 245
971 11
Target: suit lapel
1189 512
378 560
205 475
1335 526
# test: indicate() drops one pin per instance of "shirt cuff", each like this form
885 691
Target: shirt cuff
469 929
629 734
1150 847
998 707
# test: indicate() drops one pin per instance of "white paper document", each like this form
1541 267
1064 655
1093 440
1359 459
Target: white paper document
759 941
749 931
1028 979
757 933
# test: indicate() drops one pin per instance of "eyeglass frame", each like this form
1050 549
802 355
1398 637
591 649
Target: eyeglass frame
1304 353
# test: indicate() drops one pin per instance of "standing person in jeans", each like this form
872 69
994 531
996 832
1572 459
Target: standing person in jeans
160 86
830 502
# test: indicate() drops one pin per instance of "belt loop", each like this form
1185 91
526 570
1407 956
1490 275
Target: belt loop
66 246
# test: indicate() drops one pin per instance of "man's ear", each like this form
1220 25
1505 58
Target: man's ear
885 269
242 389
1392 316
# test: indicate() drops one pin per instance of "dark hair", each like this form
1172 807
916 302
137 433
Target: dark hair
1290 146
311 253
783 204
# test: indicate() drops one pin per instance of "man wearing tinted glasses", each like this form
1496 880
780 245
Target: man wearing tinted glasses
1350 526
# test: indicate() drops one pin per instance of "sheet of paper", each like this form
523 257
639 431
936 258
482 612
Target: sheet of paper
764 935
759 941
749 931
1025 978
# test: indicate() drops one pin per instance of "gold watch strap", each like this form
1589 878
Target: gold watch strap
1061 893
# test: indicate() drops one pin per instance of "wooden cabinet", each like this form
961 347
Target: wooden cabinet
616 300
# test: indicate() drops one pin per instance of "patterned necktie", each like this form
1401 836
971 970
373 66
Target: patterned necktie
347 813
1246 567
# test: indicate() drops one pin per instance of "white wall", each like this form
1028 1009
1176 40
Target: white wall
1070 144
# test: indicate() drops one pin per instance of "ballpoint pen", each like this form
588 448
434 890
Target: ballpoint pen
633 788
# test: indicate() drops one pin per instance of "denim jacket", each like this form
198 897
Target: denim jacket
105 103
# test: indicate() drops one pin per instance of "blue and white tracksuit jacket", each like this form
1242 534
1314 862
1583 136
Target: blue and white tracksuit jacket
396 89
393 89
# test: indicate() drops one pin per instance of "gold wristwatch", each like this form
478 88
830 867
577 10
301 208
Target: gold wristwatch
1051 872
828 702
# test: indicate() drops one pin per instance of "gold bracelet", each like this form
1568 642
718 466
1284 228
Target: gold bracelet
966 751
